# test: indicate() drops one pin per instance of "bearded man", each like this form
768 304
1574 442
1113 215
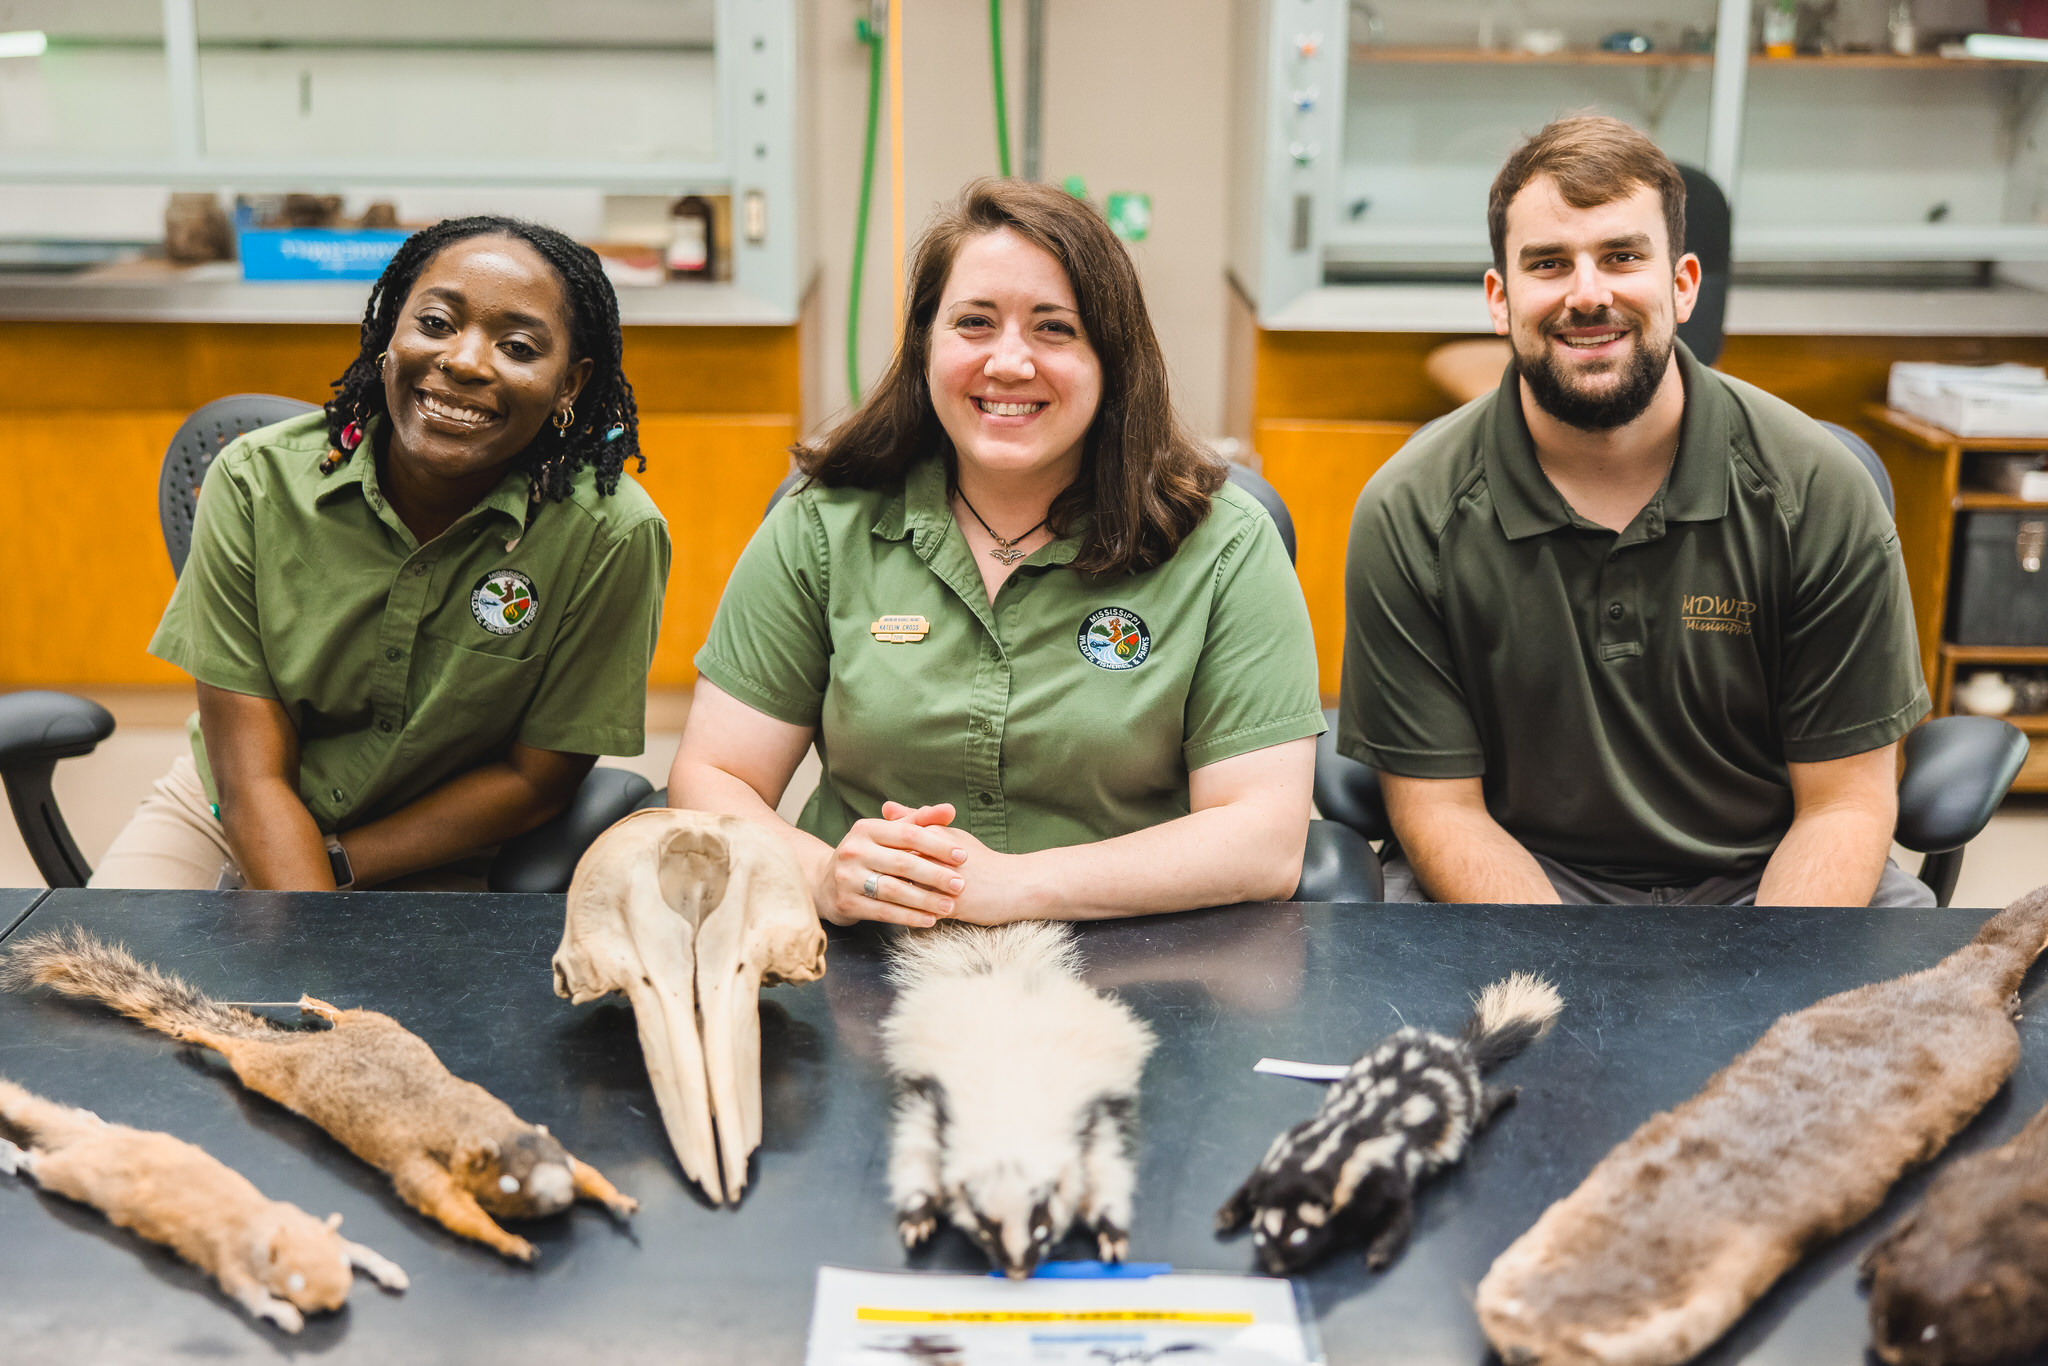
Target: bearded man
1625 630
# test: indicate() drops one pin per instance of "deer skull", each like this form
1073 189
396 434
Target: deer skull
690 914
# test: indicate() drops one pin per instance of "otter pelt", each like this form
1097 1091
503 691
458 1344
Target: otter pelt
453 1151
1963 1279
276 1261
1682 1226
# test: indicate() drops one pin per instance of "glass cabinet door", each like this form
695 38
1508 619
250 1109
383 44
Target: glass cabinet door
460 82
1437 92
99 88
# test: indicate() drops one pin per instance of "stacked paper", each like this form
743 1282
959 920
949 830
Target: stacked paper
1972 400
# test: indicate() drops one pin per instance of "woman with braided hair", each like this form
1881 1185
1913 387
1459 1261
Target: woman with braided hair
416 617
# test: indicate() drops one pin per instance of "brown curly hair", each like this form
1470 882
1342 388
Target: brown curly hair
1144 483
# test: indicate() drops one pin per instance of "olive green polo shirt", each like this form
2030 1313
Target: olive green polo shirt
1069 710
1630 700
402 665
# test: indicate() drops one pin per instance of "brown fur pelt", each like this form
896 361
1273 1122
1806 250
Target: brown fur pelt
1679 1229
1963 1279
455 1152
274 1259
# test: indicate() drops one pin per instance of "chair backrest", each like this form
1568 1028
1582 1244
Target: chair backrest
1708 230
782 491
1250 480
193 449
1254 483
1860 448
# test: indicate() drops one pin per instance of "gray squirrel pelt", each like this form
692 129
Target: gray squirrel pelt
1403 1112
1017 1093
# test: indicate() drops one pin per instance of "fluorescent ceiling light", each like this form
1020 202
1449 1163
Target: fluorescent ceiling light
23 43
2005 48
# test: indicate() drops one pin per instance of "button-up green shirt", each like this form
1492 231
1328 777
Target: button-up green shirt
402 665
1631 699
1069 710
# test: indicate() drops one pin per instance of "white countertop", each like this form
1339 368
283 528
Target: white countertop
218 294
1753 310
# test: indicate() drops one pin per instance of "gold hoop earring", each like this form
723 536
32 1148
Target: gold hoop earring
565 419
382 356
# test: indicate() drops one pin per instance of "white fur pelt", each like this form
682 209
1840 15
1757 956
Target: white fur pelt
1017 1092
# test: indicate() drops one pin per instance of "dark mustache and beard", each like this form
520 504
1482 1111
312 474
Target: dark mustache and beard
1558 393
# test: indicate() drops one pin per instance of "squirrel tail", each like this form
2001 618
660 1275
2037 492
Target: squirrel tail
38 1123
1511 1014
77 964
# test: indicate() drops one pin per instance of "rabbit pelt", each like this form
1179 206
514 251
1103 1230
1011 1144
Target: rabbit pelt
1684 1224
1963 1278
271 1257
455 1152
1017 1102
1403 1112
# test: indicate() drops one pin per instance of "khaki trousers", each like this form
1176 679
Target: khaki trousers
175 841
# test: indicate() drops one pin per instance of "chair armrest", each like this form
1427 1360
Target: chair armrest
41 727
1347 791
36 730
544 858
1958 769
1338 865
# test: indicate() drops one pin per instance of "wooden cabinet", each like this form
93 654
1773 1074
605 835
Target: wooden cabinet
1926 467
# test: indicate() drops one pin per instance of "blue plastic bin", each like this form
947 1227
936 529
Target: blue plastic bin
317 253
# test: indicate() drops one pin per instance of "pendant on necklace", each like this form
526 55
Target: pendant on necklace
1005 554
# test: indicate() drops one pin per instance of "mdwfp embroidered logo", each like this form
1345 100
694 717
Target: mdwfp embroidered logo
1114 638
1724 616
504 602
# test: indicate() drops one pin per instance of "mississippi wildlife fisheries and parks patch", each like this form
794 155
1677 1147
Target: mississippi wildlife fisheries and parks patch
1114 638
503 602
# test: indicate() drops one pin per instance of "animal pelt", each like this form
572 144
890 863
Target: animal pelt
455 1152
1405 1111
1679 1229
274 1259
1017 1093
1963 1279
690 914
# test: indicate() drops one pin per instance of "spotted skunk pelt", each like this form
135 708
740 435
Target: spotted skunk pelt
1017 1093
1402 1113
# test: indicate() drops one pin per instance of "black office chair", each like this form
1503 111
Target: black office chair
1708 234
38 728
1957 768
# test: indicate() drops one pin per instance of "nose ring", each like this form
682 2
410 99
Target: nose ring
442 366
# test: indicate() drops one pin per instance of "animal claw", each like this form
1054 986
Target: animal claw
1112 1247
283 1315
624 1207
915 1228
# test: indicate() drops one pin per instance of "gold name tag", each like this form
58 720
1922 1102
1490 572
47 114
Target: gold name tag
900 630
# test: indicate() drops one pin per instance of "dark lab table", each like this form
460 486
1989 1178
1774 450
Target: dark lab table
1656 1000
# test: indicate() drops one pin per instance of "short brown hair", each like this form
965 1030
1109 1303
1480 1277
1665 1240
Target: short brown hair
1144 481
1594 160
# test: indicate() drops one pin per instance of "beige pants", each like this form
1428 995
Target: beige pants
175 841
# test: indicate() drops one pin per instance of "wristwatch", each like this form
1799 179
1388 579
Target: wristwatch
337 860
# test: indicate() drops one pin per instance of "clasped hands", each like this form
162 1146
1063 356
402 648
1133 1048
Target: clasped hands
910 867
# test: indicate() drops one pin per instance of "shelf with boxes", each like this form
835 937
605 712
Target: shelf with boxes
1977 562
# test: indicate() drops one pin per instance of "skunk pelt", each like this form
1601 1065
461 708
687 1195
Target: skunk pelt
1402 1113
1017 1093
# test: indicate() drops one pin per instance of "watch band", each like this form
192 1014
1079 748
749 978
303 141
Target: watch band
337 861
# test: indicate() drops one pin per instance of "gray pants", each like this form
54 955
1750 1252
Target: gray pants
1896 888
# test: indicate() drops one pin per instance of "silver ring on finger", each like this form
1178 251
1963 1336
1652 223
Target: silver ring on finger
872 886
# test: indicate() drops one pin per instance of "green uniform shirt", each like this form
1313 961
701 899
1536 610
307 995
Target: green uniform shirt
403 665
1067 711
1631 699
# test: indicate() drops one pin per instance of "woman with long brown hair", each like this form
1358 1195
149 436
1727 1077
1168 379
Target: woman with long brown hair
1055 667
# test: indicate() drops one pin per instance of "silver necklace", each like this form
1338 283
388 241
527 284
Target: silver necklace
1005 552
